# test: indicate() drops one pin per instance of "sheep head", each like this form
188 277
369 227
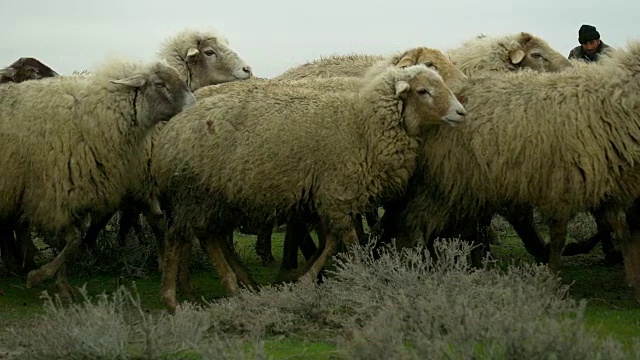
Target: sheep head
432 58
204 58
25 68
161 93
427 99
536 54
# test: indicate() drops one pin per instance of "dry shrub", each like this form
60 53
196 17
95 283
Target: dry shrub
117 327
405 306
400 306
448 310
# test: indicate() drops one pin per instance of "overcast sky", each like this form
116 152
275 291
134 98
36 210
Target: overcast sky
274 35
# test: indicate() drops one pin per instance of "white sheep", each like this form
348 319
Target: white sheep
482 53
201 58
508 52
354 67
280 151
359 65
76 141
548 140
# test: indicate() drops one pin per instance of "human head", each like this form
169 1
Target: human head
589 38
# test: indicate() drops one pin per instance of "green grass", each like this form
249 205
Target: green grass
611 310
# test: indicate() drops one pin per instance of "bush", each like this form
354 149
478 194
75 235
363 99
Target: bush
403 305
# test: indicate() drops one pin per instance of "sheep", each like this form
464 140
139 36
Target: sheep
549 140
359 65
17 250
483 53
500 54
25 68
244 156
201 58
420 55
508 52
72 150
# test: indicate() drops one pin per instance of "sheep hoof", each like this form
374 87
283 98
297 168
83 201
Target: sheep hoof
172 304
65 292
34 278
268 260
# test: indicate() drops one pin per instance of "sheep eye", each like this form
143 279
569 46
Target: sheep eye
536 55
209 52
423 92
159 84
431 65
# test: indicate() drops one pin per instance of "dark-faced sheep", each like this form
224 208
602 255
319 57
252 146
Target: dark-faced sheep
25 68
547 140
273 152
72 151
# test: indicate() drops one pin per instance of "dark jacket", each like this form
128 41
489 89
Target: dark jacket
579 53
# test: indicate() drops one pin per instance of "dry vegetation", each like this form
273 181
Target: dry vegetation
402 306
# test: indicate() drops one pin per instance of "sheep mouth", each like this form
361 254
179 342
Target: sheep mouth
242 76
453 121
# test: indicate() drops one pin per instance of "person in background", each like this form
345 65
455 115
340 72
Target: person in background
590 45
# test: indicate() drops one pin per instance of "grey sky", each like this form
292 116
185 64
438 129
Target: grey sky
272 36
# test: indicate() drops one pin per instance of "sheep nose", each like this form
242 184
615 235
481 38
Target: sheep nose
247 69
461 112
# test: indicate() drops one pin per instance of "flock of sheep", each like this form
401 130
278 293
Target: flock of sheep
201 147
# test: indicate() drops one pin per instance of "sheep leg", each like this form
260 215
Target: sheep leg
307 246
602 236
127 220
9 249
157 224
286 276
236 265
328 250
214 248
64 288
294 230
27 250
557 238
263 245
72 241
357 223
630 245
137 228
170 265
184 281
98 222
372 218
521 218
392 226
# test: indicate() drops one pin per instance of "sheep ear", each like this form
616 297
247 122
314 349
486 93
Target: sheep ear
135 81
402 87
8 72
191 53
405 61
516 56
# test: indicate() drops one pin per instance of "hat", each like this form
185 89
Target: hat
587 33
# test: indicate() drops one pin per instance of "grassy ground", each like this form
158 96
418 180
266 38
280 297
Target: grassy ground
611 310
